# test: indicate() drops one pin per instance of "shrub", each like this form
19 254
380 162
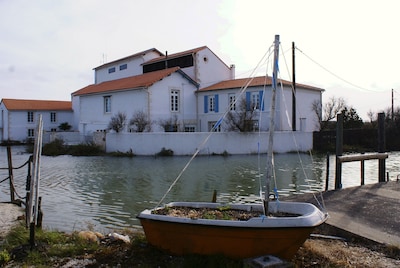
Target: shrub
54 148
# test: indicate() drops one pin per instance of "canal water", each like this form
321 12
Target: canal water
107 193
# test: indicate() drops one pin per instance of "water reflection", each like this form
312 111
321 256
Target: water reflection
108 192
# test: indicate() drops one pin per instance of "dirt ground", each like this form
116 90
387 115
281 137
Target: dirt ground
321 250
338 253
9 215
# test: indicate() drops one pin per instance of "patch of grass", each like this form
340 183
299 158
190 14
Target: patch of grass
85 149
165 152
122 154
57 147
48 246
4 257
54 148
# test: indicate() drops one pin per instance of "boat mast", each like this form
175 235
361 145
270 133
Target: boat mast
271 126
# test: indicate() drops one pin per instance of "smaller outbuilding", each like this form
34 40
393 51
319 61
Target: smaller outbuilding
19 117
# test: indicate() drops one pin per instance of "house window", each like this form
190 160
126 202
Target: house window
107 104
211 103
232 102
123 67
254 101
111 70
30 117
53 130
212 126
31 133
190 128
53 117
174 100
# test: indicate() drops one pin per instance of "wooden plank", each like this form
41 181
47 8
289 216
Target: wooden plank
360 157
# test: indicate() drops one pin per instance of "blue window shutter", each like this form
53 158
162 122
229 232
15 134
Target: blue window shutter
261 94
248 100
216 103
205 104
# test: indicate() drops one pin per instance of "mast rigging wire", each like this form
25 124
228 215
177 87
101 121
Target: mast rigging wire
241 92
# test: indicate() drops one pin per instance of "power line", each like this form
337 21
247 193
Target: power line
335 75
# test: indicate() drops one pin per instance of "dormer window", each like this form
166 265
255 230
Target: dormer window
111 70
123 67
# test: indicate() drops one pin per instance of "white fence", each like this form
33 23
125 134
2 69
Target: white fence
186 143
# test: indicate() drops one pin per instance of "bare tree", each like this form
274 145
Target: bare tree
329 110
241 119
333 107
316 106
117 122
140 122
371 115
171 124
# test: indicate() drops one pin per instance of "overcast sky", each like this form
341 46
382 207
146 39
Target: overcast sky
48 49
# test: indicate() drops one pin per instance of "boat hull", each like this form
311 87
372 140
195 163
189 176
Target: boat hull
232 239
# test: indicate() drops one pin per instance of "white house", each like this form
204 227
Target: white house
163 87
189 91
166 97
222 97
19 117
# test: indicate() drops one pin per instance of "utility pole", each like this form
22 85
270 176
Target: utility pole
392 105
293 89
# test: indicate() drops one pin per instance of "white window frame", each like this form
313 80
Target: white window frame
211 125
30 117
174 100
31 132
107 104
190 128
232 102
53 117
211 103
255 101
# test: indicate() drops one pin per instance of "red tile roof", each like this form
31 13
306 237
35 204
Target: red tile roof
257 81
38 105
176 55
133 82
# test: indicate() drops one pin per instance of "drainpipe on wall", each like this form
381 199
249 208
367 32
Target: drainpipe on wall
148 104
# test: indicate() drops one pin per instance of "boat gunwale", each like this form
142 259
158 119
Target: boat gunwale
312 217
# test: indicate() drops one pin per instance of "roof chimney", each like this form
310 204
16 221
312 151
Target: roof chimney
233 67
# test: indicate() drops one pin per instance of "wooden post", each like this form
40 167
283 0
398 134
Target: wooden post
10 174
381 147
339 151
362 172
327 173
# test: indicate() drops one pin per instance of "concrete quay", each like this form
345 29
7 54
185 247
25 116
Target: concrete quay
369 211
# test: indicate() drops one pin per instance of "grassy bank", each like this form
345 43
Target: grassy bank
55 249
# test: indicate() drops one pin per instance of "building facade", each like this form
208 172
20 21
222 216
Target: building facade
18 118
189 91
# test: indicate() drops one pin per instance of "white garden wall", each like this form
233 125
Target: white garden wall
183 143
